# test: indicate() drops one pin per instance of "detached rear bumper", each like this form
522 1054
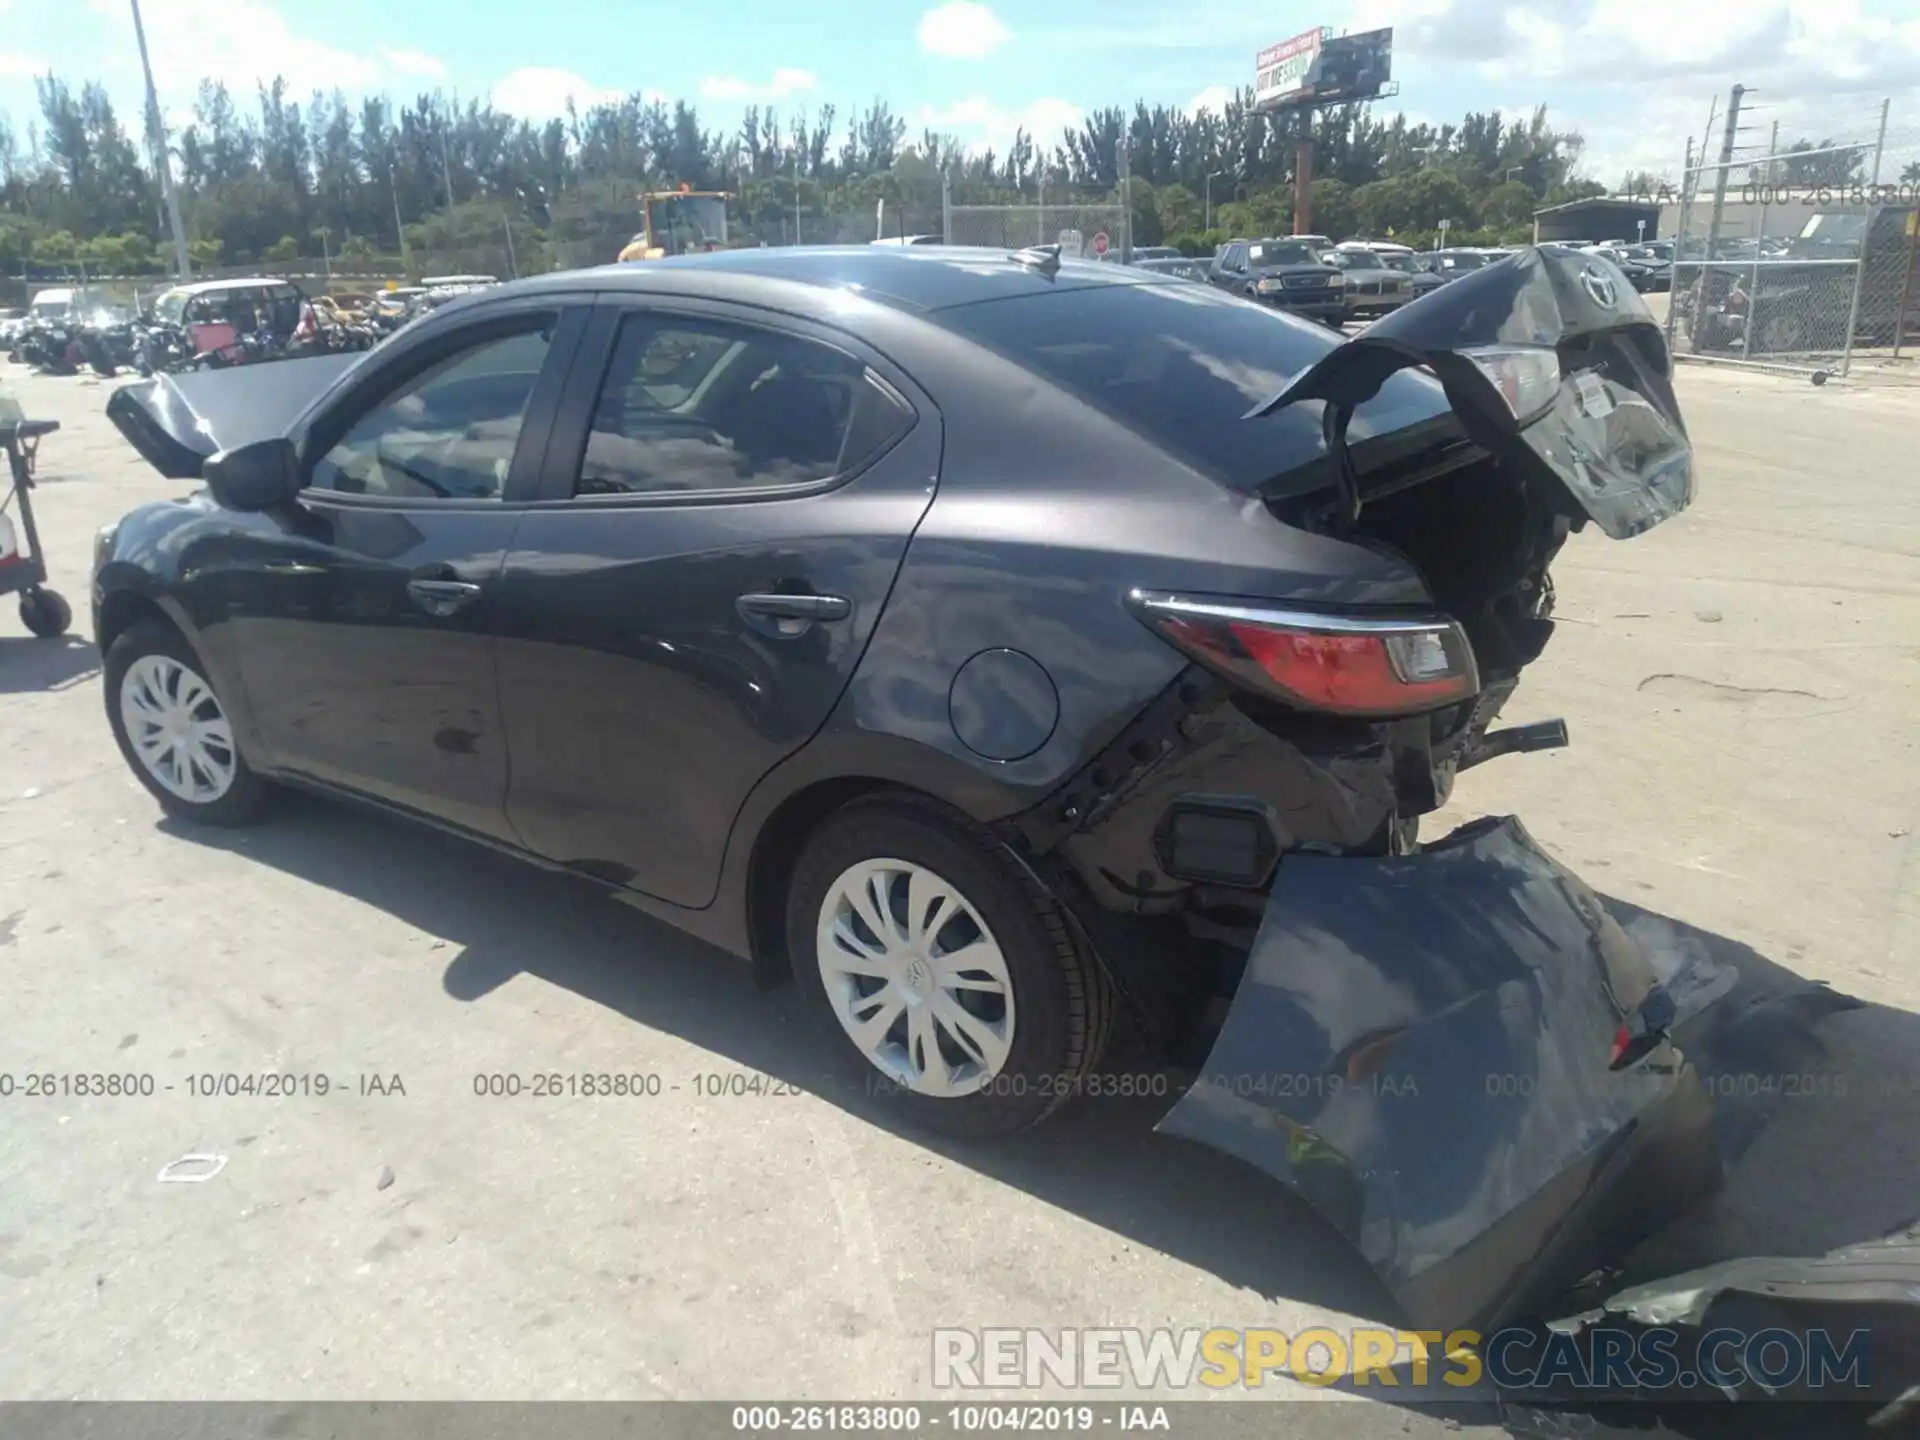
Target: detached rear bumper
1420 1049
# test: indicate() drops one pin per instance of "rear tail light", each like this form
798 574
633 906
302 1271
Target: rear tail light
1341 664
1527 376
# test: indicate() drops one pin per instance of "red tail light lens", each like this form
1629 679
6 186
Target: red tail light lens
1345 665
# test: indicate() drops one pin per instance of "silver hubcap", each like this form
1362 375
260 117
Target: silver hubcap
915 978
177 728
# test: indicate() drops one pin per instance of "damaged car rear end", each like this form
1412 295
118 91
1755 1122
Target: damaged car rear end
1109 660
1449 1050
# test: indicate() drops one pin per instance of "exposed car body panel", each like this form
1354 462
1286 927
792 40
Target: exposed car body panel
1419 1048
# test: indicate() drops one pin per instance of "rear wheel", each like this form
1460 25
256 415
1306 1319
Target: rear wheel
946 977
174 732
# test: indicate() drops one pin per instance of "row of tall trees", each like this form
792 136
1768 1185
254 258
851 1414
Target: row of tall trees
272 176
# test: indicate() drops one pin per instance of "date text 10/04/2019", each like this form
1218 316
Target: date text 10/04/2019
1045 1418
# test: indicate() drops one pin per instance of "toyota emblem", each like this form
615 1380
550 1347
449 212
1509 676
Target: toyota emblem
1600 286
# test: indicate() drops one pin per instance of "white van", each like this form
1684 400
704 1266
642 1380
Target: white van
51 304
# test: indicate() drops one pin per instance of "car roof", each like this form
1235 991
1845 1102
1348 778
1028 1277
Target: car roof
245 282
916 277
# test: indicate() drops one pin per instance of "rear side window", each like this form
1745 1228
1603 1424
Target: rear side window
695 405
1181 364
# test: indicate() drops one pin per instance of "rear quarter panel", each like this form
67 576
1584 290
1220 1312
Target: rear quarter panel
1047 513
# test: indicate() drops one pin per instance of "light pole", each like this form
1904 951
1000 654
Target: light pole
157 138
446 165
1207 224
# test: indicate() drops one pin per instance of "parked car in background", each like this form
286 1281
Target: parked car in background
1380 249
1452 263
1149 252
909 240
1180 266
1409 265
10 322
51 304
1287 274
1371 288
1638 275
1659 265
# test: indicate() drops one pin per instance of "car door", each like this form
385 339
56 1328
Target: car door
1230 268
726 500
362 618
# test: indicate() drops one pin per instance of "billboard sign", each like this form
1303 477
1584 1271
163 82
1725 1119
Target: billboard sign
1350 68
1280 71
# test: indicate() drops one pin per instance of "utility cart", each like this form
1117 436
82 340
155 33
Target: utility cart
23 570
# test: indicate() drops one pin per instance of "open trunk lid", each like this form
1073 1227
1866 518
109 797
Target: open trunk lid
1551 364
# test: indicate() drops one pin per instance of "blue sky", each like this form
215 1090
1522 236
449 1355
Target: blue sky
1634 75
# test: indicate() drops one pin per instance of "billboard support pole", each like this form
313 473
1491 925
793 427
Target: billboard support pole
1303 178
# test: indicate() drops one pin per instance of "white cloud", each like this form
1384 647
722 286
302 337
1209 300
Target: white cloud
246 42
1637 83
541 93
414 62
242 43
981 124
961 30
784 83
16 66
1787 47
1214 98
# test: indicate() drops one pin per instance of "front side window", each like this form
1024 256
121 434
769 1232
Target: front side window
699 405
449 431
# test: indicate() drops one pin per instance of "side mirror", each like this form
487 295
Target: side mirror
254 477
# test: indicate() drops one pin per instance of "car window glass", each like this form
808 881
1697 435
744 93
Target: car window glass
448 432
1182 365
707 405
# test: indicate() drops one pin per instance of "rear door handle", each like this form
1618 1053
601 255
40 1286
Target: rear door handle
442 597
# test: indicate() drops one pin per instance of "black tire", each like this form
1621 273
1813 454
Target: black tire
247 799
45 612
1064 1002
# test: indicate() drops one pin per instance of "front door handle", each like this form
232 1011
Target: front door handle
442 597
795 607
784 616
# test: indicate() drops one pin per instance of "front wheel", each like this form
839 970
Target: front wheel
947 978
174 732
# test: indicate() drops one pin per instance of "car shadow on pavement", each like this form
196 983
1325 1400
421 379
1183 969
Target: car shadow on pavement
27 664
1822 1097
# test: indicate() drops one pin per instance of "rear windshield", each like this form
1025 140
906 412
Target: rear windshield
1181 364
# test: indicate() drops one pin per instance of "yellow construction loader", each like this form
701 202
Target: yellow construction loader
679 222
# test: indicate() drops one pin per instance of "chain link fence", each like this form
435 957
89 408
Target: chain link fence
1799 257
1087 230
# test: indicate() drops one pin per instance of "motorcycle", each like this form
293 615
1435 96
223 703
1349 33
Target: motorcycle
50 346
108 346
